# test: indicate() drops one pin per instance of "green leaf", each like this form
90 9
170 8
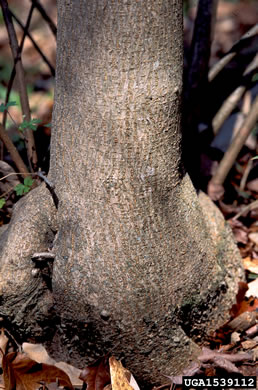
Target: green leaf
32 124
48 125
2 202
19 189
22 189
4 107
26 189
28 181
255 77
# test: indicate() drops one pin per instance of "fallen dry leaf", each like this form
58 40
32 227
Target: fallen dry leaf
73 373
22 373
253 237
253 185
120 377
237 308
97 375
249 344
251 265
255 354
38 353
3 344
253 290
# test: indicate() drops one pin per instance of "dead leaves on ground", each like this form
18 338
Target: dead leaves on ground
97 375
22 373
31 371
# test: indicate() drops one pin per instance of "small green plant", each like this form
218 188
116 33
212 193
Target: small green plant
32 124
25 125
22 189
2 202
4 107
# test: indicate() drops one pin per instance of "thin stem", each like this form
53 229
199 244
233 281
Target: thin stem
14 173
249 207
21 167
45 16
51 68
232 52
231 102
29 137
12 77
7 192
245 175
231 154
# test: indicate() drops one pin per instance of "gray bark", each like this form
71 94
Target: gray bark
143 266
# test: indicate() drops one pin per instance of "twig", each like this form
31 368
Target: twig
245 175
51 68
45 179
14 173
50 187
231 102
45 16
13 339
13 152
232 52
162 386
12 77
7 192
29 138
246 209
230 156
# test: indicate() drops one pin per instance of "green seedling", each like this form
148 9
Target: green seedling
22 189
4 107
2 203
32 124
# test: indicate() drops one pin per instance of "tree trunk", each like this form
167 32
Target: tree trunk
142 266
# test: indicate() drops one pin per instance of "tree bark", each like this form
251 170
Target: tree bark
142 266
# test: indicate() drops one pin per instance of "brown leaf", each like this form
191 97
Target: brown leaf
38 353
22 373
120 377
236 309
97 375
254 237
253 292
249 344
253 185
3 344
251 265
